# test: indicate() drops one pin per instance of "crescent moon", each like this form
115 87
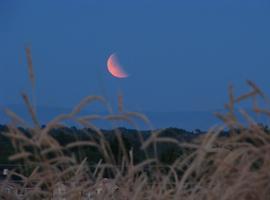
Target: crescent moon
115 68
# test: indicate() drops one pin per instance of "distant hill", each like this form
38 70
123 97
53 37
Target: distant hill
189 120
131 139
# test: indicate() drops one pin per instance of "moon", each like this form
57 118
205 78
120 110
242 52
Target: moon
115 68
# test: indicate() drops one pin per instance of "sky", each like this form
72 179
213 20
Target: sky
180 54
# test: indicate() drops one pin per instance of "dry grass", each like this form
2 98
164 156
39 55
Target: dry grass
223 168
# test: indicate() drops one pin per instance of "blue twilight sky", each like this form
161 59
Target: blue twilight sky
181 54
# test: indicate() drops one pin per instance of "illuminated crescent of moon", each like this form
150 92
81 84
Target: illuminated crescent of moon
115 68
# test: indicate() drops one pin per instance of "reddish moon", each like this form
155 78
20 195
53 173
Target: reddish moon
115 68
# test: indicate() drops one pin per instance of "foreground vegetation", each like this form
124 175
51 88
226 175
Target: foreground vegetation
161 164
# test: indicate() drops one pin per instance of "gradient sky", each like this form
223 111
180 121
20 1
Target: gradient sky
181 54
